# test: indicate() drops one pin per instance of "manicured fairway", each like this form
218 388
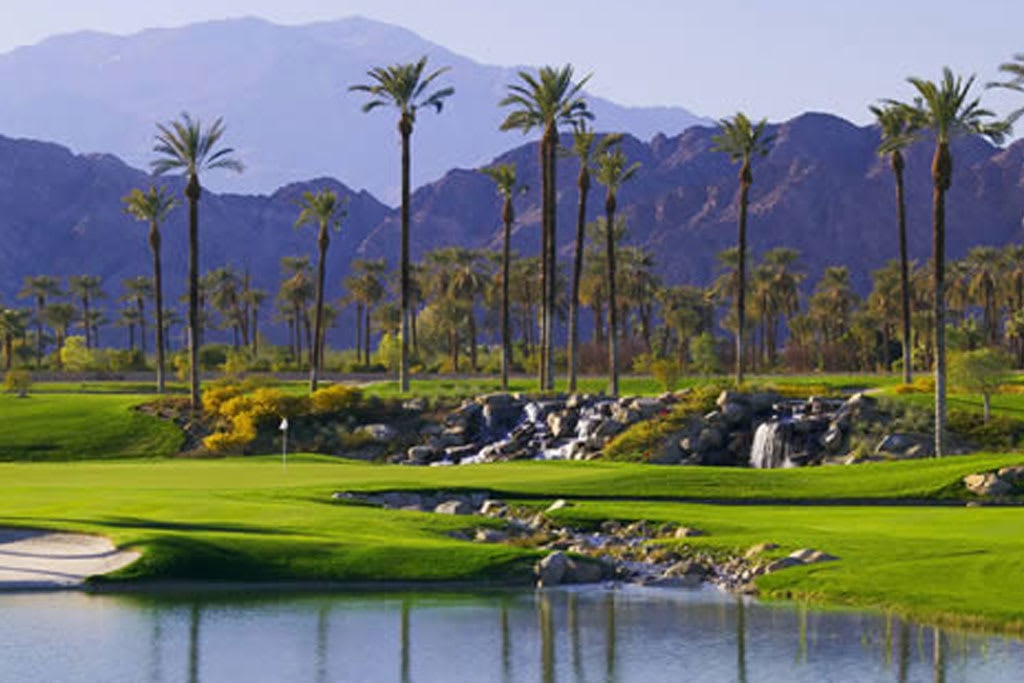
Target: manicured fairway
248 519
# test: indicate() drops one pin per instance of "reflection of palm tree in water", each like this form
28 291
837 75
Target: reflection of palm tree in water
904 664
741 641
938 657
547 639
610 647
193 644
506 645
406 674
156 673
321 645
574 636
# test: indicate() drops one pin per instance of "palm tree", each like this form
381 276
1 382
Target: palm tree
547 101
504 177
86 288
946 110
186 146
468 283
1015 70
12 324
323 209
60 316
137 290
613 171
585 146
128 317
742 140
295 294
897 132
405 87
153 207
39 288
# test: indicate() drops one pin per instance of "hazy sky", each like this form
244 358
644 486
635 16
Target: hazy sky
773 58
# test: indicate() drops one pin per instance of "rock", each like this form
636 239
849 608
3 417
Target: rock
379 432
987 484
687 532
417 405
762 403
758 549
551 570
811 556
900 444
422 455
490 536
783 563
728 396
454 507
647 407
557 505
625 415
400 499
562 424
1014 475
493 507
608 428
736 414
710 439
583 571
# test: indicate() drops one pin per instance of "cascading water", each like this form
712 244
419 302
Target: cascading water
770 446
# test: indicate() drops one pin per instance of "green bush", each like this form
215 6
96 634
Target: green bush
18 382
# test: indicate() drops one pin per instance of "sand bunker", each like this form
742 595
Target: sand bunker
33 559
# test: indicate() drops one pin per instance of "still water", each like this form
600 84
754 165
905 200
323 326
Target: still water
630 634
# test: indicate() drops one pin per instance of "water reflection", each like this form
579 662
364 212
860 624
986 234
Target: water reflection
549 636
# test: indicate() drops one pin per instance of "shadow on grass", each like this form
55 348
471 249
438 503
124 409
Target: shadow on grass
159 525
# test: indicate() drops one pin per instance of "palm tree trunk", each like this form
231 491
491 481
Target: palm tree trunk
154 244
193 192
613 329
544 275
506 256
472 339
901 216
405 129
741 272
40 304
359 332
366 334
583 184
549 371
85 320
140 304
942 166
321 268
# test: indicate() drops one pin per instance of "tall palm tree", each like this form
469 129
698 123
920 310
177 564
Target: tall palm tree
897 132
546 101
613 170
406 88
504 177
186 146
585 146
87 288
152 207
39 288
323 209
12 324
742 140
947 110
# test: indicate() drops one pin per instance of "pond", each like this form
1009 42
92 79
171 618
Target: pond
572 635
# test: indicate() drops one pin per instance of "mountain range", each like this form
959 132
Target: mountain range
283 94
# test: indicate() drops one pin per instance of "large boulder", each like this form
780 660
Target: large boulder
551 570
381 433
454 506
987 484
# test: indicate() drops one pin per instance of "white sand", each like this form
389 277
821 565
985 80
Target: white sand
31 559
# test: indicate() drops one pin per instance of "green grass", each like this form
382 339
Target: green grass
81 427
248 519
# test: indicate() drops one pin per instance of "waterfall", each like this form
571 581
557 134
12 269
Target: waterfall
769 450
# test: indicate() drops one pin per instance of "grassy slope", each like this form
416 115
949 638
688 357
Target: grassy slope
77 427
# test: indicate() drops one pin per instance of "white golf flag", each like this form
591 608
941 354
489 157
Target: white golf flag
284 424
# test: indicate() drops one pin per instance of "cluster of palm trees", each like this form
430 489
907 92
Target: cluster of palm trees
462 282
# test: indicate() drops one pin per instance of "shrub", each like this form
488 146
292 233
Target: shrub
75 356
335 399
666 372
18 382
212 356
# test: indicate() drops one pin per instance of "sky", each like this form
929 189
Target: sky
768 58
